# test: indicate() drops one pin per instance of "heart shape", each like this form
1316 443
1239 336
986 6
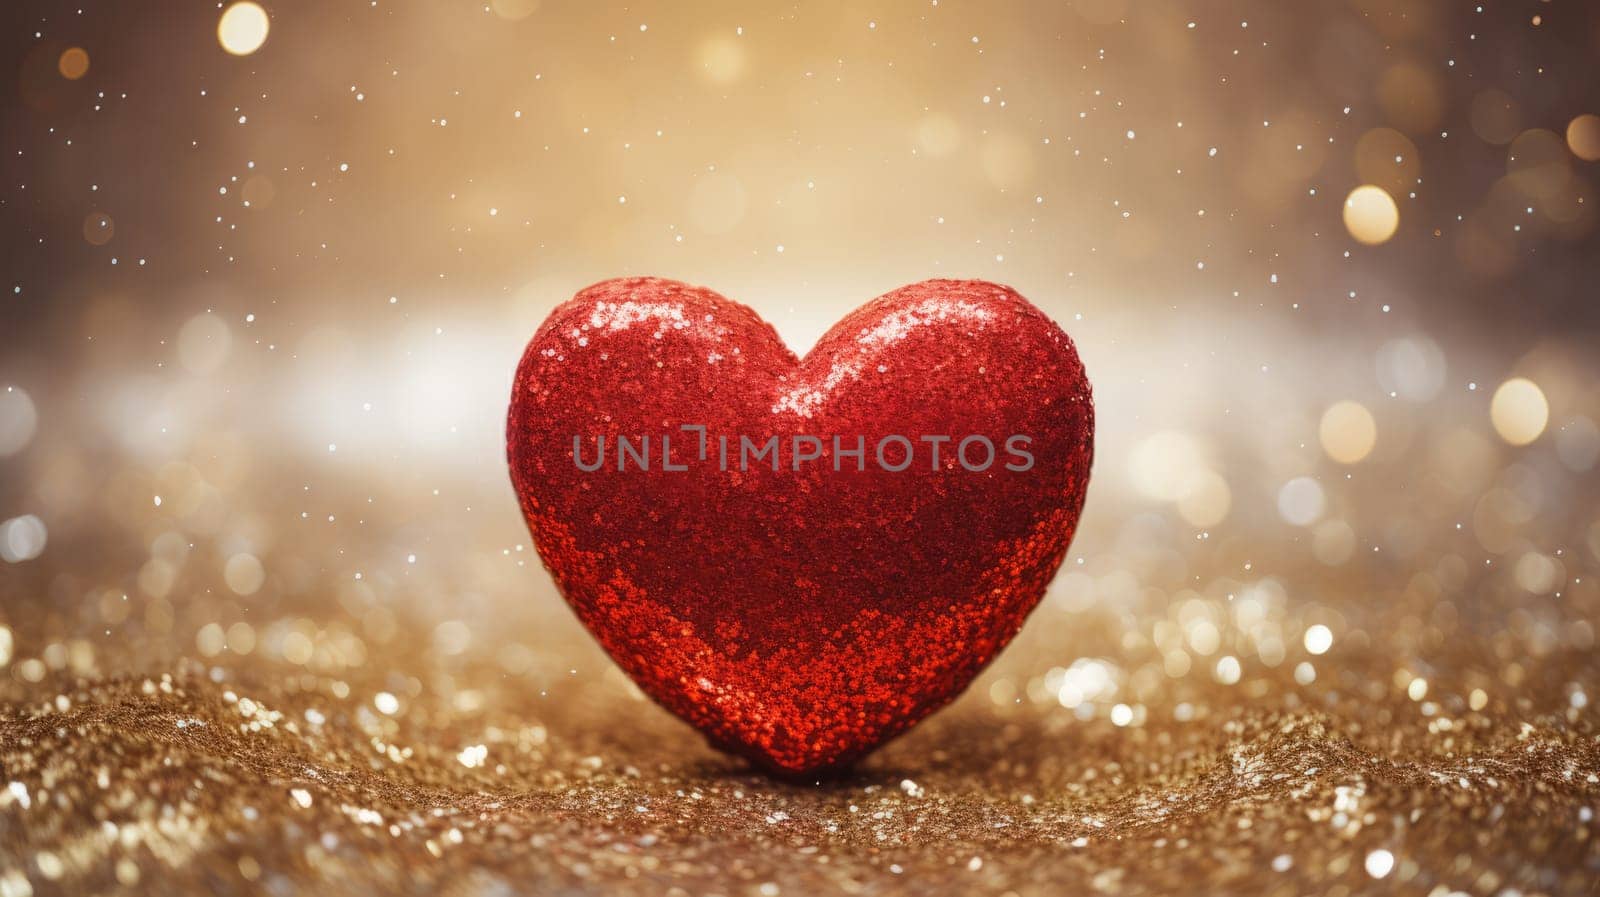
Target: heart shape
803 604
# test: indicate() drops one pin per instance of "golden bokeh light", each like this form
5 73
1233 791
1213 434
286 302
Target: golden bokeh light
19 418
1412 97
512 10
1348 432
1495 117
1519 411
1370 214
1166 465
720 60
73 64
1389 159
1301 501
1583 137
98 228
264 308
1007 160
244 574
1538 165
1207 500
938 135
243 28
204 342
1333 542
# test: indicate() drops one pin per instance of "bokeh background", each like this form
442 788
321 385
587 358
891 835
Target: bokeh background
1331 267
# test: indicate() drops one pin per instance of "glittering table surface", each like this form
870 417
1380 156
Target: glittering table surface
294 758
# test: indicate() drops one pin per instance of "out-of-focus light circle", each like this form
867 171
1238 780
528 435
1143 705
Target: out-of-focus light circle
1370 214
241 638
1379 863
73 64
1207 501
1578 444
22 538
1412 97
18 420
244 574
938 135
211 639
1348 432
298 647
1583 137
1166 465
1538 164
1007 160
1300 501
1494 116
1318 639
1412 368
1538 573
512 10
98 228
1519 411
258 191
1389 159
1333 542
203 343
721 60
717 203
243 28
452 637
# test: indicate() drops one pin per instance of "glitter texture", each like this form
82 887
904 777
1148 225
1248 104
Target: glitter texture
271 621
802 615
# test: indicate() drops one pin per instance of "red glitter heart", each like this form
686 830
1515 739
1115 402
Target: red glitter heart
801 616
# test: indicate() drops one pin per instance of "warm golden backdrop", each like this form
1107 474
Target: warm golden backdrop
1331 267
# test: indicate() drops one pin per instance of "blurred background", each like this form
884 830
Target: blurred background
268 271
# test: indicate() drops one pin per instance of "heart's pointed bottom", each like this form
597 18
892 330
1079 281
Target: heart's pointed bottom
800 617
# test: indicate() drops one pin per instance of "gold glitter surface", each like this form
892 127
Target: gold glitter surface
455 773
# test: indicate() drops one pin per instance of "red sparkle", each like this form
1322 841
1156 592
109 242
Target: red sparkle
801 617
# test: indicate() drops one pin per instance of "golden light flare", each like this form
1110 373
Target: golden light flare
1519 411
19 418
203 343
1301 501
73 64
1412 97
98 228
1495 117
1538 164
244 574
1370 215
1348 432
1165 465
512 10
1389 159
937 135
1206 501
243 28
1333 542
720 60
1007 160
1583 137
